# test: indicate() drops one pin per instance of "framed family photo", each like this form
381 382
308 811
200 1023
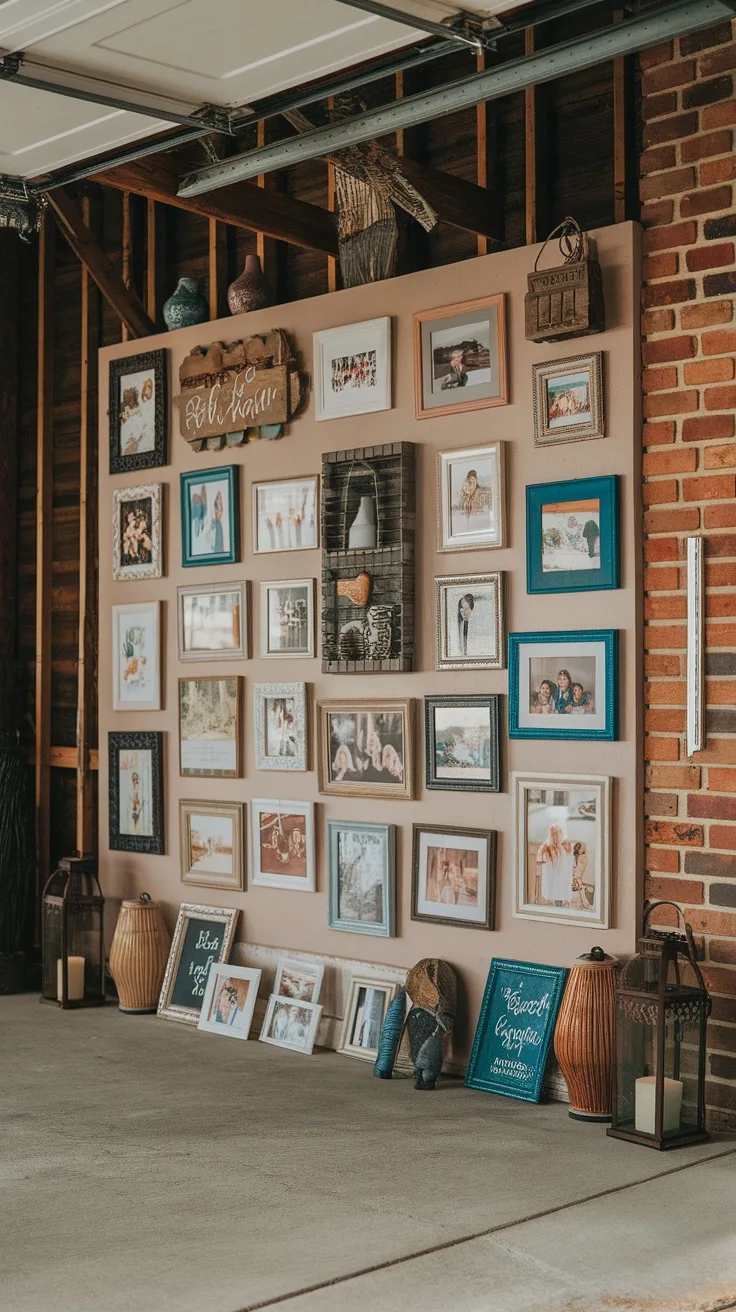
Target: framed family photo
366 748
203 938
287 618
286 514
211 844
210 516
299 979
136 792
210 727
470 622
280 714
289 1023
454 876
572 535
282 836
460 357
136 656
137 539
462 742
138 412
564 685
563 848
229 1000
213 622
368 1002
362 877
471 498
352 369
568 400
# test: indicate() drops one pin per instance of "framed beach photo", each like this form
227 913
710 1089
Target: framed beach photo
137 540
572 535
211 844
352 369
291 1024
564 685
286 514
213 622
136 656
229 1000
470 622
471 498
282 731
563 848
568 399
138 412
298 979
136 792
202 938
210 727
282 838
462 742
210 516
367 1004
287 618
366 748
362 877
454 876
460 357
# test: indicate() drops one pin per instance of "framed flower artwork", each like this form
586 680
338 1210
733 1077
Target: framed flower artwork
136 656
137 539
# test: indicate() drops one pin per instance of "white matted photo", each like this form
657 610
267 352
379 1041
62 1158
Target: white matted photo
291 1024
282 837
368 1002
352 369
229 1000
471 498
287 618
286 514
280 712
213 622
299 980
470 622
563 848
454 876
136 656
211 843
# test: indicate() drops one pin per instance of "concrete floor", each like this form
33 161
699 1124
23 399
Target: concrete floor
147 1166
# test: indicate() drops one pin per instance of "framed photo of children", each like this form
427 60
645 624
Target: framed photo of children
470 622
137 412
460 357
453 876
471 498
564 685
136 532
568 400
136 792
563 848
572 535
461 742
282 835
210 516
352 369
366 748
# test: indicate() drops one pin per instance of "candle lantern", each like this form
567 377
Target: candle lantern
72 930
662 1008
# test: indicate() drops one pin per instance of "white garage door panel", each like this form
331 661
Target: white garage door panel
25 22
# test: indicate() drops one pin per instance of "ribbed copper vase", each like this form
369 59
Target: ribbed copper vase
138 954
584 1035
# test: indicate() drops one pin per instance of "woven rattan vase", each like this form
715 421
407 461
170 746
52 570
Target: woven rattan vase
138 955
584 1035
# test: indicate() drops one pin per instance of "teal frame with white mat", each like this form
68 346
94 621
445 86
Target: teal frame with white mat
586 539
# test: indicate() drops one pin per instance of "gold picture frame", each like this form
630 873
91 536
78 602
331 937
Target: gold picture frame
202 935
363 744
210 840
568 400
210 756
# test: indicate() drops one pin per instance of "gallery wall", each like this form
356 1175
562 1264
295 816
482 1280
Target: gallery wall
298 921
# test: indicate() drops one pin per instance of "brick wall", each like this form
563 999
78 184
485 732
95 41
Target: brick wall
688 169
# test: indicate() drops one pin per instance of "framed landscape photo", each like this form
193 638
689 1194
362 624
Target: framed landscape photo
136 656
564 685
137 550
362 877
352 369
454 876
138 412
367 1004
203 937
563 848
568 399
282 837
572 535
136 792
229 1000
462 742
287 618
471 498
211 844
210 516
280 714
210 726
298 979
213 622
366 748
286 514
470 622
460 357
289 1023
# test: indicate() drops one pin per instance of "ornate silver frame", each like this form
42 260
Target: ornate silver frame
261 693
155 569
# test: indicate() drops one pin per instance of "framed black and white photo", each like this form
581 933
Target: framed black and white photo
563 848
454 876
287 618
471 498
568 399
136 656
210 726
460 357
470 622
136 792
213 621
282 733
286 514
564 685
362 877
352 369
137 538
138 412
462 742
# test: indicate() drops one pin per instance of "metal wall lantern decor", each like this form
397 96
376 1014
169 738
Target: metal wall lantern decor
662 1008
566 301
73 951
230 390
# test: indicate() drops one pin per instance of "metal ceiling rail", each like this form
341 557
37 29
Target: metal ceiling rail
103 163
648 29
469 33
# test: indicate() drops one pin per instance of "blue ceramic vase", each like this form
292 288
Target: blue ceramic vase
186 306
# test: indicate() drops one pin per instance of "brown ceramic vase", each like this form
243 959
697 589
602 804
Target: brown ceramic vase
584 1035
250 291
138 954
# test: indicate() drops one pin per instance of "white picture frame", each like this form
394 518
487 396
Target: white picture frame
362 1020
282 729
471 498
286 515
291 1024
299 979
229 1000
578 858
287 619
202 611
136 656
291 826
352 369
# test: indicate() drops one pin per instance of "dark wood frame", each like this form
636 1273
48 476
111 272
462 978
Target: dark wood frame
127 742
491 875
492 700
157 361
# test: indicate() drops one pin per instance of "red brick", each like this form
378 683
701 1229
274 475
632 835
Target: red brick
661 580
717 35
678 461
713 116
688 891
659 380
673 183
720 751
721 635
662 78
710 488
701 316
720 398
667 692
719 516
673 776
719 61
717 370
658 158
724 546
671 129
662 749
722 950
660 804
713 922
669 348
664 719
709 257
670 403
723 836
655 106
705 144
657 321
663 265
665 665
660 54
661 549
669 293
674 833
721 457
661 493
721 692
721 605
719 575
722 781
721 342
719 979
657 211
665 860
669 237
719 284
707 92
708 428
672 521
706 807
658 434
699 202
717 170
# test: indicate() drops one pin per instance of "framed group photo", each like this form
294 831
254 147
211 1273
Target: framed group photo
470 622
564 685
471 498
454 876
572 535
568 400
362 877
352 369
460 357
286 515
138 412
282 836
213 622
366 748
210 516
136 792
563 848
461 736
137 537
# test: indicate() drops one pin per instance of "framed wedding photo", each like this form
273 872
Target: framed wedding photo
298 979
286 515
366 748
136 532
572 535
352 369
213 622
471 498
563 848
211 848
291 1024
460 357
282 837
454 876
210 727
564 685
368 1002
568 400
362 877
462 742
470 622
287 618
229 1000
136 656
280 715
210 516
137 412
136 792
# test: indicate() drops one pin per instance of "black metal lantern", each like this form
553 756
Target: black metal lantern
662 1008
73 938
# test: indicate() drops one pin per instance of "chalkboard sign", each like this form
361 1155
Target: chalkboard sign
203 937
515 1026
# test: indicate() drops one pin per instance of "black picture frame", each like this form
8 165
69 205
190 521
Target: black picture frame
149 845
156 361
488 874
491 701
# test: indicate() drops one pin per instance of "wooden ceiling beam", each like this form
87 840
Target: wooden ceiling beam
457 202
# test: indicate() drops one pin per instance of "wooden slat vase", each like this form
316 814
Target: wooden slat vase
138 955
584 1035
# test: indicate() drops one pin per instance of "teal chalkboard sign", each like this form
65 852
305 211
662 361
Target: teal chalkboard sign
203 936
516 1024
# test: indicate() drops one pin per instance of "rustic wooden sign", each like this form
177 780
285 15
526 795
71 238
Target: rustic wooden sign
228 388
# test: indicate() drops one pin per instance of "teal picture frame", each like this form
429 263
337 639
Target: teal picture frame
515 1028
340 906
539 658
585 535
209 537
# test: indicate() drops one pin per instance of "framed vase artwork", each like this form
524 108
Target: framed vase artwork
470 622
460 357
286 515
572 535
289 1023
362 877
136 656
299 979
454 876
462 742
210 516
287 618
203 937
365 1011
210 727
138 412
229 1000
137 539
352 369
213 622
564 685
471 498
136 792
280 714
568 399
282 837
563 848
211 844
366 748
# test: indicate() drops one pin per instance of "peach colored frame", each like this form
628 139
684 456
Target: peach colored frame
445 312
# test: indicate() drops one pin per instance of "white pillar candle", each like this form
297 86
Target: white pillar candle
74 979
645 1107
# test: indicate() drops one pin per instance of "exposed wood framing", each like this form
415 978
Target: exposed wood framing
622 132
486 131
9 306
457 202
331 261
535 156
86 652
44 529
266 247
217 268
155 260
127 249
65 758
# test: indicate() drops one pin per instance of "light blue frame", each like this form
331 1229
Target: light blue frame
231 474
485 1043
387 929
573 580
609 733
